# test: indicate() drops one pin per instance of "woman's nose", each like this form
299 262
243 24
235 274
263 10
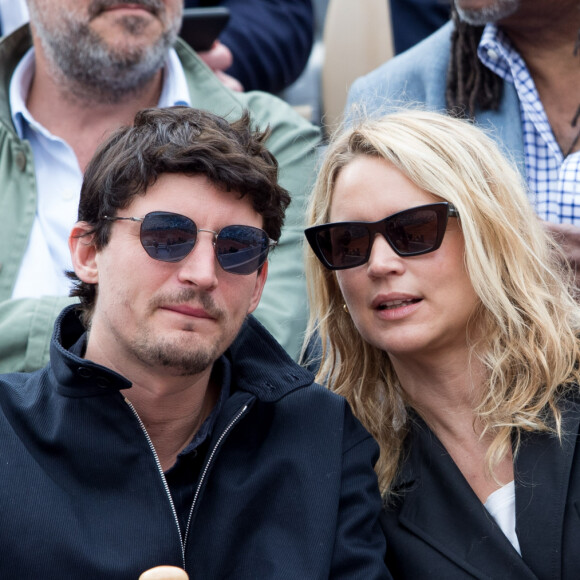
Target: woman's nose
383 259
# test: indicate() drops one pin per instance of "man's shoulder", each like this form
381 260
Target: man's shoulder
422 61
20 392
417 75
270 110
267 110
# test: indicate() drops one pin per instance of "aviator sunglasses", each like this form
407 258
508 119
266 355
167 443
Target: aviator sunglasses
412 232
170 237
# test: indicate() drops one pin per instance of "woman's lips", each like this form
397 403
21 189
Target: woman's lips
393 306
393 300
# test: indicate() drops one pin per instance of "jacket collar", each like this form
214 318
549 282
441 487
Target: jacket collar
259 365
543 472
76 376
438 505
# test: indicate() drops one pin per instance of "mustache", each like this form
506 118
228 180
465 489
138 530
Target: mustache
156 7
189 296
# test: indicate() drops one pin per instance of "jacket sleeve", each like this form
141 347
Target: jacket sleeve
270 41
359 548
26 327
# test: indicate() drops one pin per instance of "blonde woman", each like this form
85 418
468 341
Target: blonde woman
446 320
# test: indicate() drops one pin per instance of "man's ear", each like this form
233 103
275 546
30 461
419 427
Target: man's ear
83 253
259 287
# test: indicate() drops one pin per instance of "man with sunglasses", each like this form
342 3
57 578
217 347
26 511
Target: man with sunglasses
169 427
82 69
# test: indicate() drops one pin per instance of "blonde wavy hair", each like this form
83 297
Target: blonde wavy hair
529 317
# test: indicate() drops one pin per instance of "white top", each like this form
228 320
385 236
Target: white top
501 504
59 179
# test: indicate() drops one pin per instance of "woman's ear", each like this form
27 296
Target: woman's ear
83 253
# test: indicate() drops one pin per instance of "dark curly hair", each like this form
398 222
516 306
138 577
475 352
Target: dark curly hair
233 156
470 84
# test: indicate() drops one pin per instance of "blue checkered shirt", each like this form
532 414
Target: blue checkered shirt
553 181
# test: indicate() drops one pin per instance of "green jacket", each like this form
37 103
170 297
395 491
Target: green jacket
26 324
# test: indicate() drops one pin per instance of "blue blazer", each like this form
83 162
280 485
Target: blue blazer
418 77
438 528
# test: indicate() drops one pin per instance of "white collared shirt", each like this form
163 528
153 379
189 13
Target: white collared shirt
59 179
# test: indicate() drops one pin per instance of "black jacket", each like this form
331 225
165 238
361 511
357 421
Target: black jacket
287 489
440 529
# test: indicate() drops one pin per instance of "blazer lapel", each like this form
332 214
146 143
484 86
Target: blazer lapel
439 506
543 469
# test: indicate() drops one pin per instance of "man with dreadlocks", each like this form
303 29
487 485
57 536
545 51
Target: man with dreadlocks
513 66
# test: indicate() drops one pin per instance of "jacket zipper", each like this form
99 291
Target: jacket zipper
224 434
166 487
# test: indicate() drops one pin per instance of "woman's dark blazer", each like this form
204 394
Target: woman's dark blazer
438 528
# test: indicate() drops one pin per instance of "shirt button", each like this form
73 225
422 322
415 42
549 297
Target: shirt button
492 54
21 160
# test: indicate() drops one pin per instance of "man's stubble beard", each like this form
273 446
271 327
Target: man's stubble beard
482 16
94 72
160 354
189 356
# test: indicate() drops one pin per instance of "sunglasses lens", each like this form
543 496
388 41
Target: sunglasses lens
241 249
416 231
411 232
168 237
344 246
